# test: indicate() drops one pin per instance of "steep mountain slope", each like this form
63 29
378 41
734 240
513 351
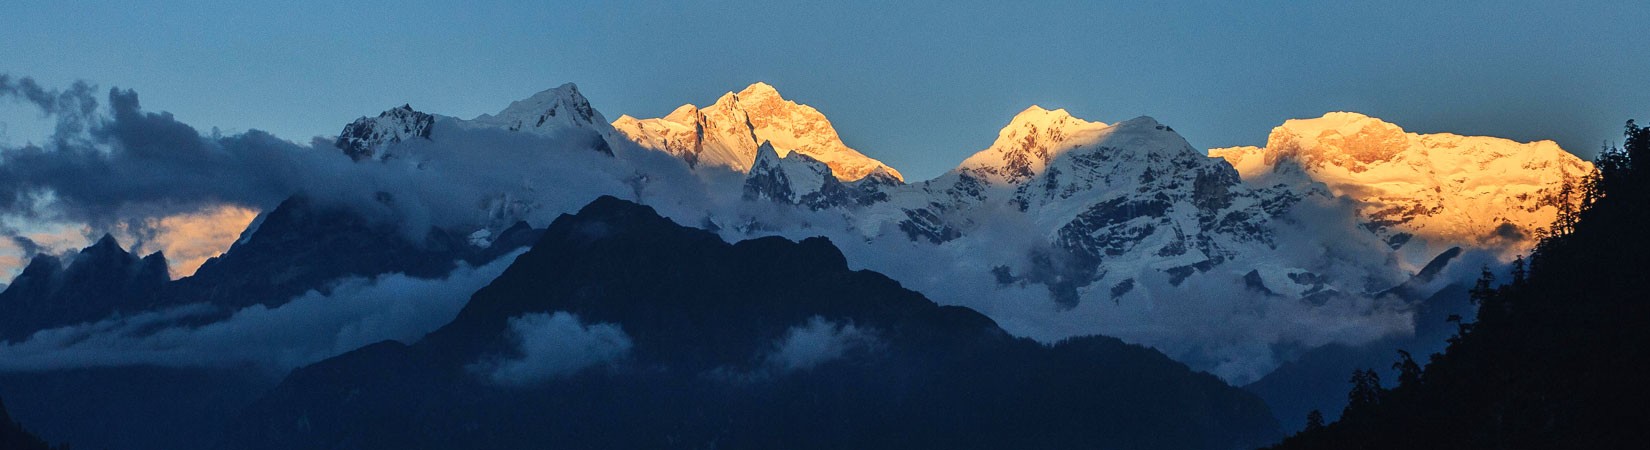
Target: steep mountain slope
729 132
1446 188
801 180
621 329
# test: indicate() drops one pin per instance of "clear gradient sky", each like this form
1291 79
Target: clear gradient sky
919 85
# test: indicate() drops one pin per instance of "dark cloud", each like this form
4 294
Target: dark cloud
24 244
127 165
133 164
78 99
72 107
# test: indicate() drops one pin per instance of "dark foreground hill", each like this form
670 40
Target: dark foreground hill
621 329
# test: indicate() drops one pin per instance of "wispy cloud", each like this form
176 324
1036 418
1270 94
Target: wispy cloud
550 346
816 342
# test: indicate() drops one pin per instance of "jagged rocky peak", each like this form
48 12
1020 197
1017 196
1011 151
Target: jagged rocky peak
106 258
365 137
797 179
549 111
560 113
101 279
1474 190
729 132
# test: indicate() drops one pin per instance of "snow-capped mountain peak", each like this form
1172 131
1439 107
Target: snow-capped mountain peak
366 137
1032 139
548 111
1447 188
560 113
685 114
728 133
759 91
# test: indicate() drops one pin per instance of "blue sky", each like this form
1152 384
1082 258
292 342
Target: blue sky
920 85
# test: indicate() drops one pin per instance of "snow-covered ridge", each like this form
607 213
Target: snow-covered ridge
366 137
548 111
1114 203
1447 188
558 113
729 132
1060 226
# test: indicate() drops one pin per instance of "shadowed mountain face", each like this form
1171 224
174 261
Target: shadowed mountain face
621 329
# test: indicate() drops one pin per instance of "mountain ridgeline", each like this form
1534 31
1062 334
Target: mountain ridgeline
300 245
668 337
1108 206
620 328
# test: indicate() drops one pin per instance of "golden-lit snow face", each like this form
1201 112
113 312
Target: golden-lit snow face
728 133
1446 188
